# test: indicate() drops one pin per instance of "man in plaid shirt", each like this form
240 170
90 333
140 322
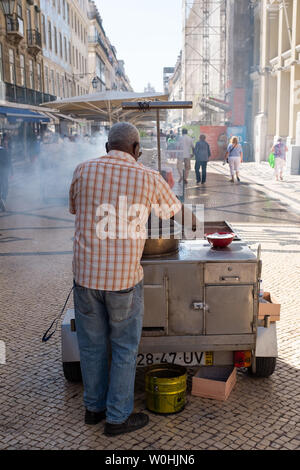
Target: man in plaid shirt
114 192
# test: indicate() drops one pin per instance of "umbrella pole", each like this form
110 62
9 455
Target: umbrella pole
158 140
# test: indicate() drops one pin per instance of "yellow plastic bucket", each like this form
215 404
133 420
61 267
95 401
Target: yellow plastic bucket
165 386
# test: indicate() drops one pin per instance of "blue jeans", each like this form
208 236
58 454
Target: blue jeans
203 168
106 318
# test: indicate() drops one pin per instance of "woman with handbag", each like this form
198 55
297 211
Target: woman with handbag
279 150
234 157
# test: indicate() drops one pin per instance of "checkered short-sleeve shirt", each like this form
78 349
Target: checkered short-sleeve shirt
113 263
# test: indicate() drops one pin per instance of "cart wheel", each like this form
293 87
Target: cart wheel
265 366
72 371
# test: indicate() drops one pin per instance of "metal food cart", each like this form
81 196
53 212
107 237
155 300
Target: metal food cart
201 307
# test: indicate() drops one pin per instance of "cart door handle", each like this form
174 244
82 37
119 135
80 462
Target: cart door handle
230 278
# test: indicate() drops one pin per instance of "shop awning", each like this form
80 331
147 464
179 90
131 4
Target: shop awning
14 115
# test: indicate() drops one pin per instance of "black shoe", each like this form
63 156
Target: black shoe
134 421
94 417
238 179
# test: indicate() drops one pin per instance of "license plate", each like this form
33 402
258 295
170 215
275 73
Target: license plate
180 358
209 358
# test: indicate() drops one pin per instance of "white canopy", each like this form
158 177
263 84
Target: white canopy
107 106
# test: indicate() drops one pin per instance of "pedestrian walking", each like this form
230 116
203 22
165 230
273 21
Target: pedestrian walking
202 154
279 150
234 155
108 276
171 145
5 170
185 150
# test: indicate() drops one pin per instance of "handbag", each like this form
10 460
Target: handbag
227 161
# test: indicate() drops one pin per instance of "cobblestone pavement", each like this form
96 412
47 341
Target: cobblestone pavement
40 410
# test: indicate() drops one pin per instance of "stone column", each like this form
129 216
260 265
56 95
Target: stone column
293 154
283 85
295 75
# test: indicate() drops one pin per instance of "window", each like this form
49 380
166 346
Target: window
60 45
68 13
100 69
70 57
12 68
50 35
46 79
36 20
58 6
64 9
77 58
1 64
55 39
22 71
39 77
53 82
31 75
58 84
28 18
44 30
20 18
63 86
66 49
73 55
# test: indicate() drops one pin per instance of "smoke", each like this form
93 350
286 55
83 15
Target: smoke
58 159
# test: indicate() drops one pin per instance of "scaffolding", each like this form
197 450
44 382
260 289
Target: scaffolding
204 59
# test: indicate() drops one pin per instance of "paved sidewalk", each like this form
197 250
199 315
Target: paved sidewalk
39 409
261 176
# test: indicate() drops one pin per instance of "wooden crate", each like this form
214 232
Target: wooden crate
214 382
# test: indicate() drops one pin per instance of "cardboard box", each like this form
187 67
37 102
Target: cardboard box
271 308
214 382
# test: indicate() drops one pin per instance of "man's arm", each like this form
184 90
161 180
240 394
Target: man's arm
209 153
169 205
76 176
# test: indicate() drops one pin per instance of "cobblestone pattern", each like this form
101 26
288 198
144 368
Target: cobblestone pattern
40 410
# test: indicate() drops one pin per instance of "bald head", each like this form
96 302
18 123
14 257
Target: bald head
125 137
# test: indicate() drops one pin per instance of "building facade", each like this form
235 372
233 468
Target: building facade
175 91
276 79
65 46
102 57
203 66
21 55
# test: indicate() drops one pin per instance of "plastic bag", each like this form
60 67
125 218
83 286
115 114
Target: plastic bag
271 160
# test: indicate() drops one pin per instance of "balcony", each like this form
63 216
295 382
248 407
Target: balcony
14 28
34 41
18 94
96 39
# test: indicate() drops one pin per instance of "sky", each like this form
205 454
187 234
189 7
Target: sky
147 36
